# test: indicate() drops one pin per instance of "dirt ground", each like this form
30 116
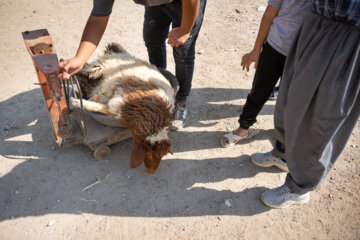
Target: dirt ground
203 191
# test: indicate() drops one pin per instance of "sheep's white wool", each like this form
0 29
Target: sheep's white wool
161 93
157 137
116 69
122 65
114 105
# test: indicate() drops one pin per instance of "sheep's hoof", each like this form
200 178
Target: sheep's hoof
75 102
102 152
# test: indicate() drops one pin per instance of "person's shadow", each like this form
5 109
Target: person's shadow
38 179
217 106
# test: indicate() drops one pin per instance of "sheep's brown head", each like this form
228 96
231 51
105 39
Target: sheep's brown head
148 118
149 153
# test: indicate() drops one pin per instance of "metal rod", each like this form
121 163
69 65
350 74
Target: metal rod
81 110
65 93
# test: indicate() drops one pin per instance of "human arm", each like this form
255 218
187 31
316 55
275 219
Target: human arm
179 35
267 19
90 39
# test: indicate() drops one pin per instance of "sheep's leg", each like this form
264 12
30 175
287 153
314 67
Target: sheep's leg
90 106
114 48
93 70
171 78
94 98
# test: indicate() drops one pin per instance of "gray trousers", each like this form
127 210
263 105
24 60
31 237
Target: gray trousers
319 100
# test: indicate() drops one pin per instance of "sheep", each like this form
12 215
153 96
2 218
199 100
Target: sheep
136 94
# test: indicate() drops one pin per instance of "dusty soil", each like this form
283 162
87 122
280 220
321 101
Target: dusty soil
40 185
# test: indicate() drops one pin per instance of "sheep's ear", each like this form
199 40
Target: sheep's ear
137 156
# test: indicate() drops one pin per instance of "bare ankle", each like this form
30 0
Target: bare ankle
241 131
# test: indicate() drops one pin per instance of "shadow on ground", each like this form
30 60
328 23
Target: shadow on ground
216 107
47 180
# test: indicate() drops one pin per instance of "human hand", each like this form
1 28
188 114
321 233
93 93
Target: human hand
177 37
250 57
70 67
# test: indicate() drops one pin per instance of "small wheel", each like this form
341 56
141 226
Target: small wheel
102 152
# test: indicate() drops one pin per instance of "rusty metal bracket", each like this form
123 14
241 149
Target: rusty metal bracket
56 93
43 54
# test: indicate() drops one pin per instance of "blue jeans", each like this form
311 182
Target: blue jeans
157 21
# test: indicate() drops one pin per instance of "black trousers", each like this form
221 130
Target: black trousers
269 70
157 21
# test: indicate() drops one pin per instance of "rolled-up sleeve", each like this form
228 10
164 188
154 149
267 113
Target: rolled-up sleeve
102 8
275 3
